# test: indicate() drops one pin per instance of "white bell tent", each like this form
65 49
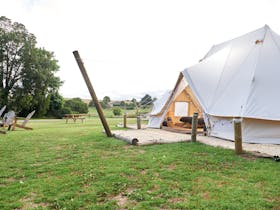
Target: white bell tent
173 105
240 79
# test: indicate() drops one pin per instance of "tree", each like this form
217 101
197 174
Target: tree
76 105
106 101
122 104
134 102
91 103
146 100
56 106
26 72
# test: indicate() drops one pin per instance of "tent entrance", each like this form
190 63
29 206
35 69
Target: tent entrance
169 110
182 107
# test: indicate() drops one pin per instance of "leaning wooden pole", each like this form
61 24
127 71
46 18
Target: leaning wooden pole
92 93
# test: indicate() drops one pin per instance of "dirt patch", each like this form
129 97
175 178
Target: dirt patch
11 180
221 184
134 149
127 147
122 198
60 159
141 151
248 156
39 163
153 189
255 155
176 200
28 202
171 167
205 195
143 172
59 147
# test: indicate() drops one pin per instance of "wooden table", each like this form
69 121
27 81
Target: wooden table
75 117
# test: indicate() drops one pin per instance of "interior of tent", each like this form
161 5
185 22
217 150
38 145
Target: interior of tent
183 105
175 109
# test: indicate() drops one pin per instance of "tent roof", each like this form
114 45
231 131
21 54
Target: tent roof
161 105
240 77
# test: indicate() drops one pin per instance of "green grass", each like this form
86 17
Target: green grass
75 166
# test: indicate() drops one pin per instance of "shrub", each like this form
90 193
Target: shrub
76 105
117 111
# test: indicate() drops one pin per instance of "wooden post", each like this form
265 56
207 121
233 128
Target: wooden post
138 122
194 127
124 120
238 135
92 93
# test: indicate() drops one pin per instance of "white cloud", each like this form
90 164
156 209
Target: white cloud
131 46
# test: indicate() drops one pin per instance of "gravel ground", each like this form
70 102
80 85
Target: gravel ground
148 136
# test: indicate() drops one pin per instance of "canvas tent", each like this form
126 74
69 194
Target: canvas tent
240 79
173 105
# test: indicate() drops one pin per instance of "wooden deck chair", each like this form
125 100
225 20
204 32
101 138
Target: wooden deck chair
8 119
25 121
2 110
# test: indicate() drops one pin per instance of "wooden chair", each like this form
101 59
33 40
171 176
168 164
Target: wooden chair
2 110
8 119
25 121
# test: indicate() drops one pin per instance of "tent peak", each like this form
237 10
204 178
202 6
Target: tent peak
266 26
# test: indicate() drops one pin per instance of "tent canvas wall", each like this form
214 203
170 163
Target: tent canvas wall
240 79
174 105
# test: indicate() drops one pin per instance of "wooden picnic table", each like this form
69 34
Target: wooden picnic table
75 117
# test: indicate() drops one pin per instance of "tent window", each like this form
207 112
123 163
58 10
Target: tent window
181 109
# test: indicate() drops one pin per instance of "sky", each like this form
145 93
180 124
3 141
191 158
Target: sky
134 47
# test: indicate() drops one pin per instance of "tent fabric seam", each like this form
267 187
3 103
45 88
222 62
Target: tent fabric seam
216 89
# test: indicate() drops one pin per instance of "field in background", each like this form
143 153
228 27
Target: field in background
109 112
75 166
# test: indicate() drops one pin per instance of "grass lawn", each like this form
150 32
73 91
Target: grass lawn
75 166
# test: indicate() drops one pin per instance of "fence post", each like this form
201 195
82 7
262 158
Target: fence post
138 122
124 120
237 135
194 127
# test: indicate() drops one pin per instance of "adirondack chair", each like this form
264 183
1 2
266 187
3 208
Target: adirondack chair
2 110
25 121
8 119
